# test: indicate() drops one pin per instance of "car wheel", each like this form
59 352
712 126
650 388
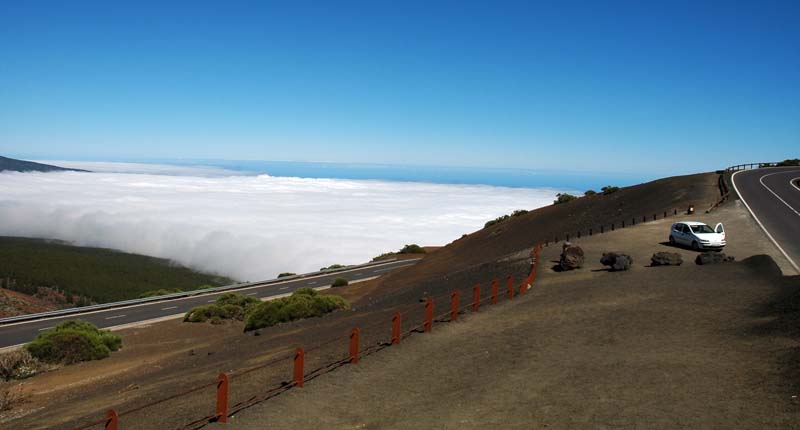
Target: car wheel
672 241
695 246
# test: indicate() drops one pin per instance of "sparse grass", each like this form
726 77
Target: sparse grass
303 303
19 364
72 342
161 292
10 396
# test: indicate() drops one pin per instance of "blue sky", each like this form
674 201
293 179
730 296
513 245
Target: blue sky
666 87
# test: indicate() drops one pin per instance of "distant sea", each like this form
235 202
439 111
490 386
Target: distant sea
504 177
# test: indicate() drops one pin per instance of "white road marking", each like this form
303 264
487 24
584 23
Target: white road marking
312 283
792 182
171 307
212 301
251 294
359 274
46 328
283 288
115 316
761 179
758 221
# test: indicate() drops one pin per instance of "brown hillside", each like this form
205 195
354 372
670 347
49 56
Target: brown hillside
521 233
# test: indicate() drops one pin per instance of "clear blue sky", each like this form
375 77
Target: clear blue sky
605 86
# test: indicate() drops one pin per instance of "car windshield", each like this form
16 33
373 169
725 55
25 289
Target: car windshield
702 228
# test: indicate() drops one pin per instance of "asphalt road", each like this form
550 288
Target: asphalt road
774 201
18 333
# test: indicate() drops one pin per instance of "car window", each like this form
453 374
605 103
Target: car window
685 228
702 228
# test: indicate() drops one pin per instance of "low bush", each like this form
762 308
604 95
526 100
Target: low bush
19 364
589 192
412 249
285 274
229 306
339 282
303 303
161 292
333 266
563 198
790 162
608 189
73 341
502 218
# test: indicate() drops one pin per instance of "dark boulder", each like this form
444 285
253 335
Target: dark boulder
617 261
666 259
712 258
571 257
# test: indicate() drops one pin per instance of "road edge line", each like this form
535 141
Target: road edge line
758 221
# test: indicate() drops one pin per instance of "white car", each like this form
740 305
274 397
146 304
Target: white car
697 235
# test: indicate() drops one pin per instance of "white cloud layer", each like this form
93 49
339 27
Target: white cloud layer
248 227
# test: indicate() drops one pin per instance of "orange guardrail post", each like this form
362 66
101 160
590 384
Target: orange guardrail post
476 297
495 287
354 335
112 420
397 321
428 324
299 362
454 299
510 291
222 398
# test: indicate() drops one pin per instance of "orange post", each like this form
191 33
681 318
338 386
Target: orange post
454 299
112 420
428 324
510 292
397 321
476 297
523 287
222 398
354 335
495 287
299 362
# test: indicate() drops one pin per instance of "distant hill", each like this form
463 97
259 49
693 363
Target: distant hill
29 166
97 274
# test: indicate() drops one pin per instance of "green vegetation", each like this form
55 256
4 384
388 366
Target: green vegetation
608 189
91 274
502 218
339 282
333 266
789 162
285 274
412 249
229 306
72 342
563 198
303 303
589 193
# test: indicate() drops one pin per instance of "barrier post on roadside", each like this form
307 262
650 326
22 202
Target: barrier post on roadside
299 363
397 321
454 300
476 297
510 289
495 288
222 398
112 420
354 337
427 325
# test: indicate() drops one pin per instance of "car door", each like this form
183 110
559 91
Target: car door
677 233
720 229
686 235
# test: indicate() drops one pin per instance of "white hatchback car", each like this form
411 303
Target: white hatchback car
697 235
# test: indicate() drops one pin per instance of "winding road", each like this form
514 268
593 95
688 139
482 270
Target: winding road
773 198
14 334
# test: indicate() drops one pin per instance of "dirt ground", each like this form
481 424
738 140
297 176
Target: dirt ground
655 347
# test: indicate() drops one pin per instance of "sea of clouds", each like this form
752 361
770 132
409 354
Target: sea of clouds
246 227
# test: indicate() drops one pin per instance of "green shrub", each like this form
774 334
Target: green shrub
333 266
303 303
339 282
412 249
790 162
589 193
519 212
496 221
563 198
239 300
229 306
73 341
285 274
608 189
